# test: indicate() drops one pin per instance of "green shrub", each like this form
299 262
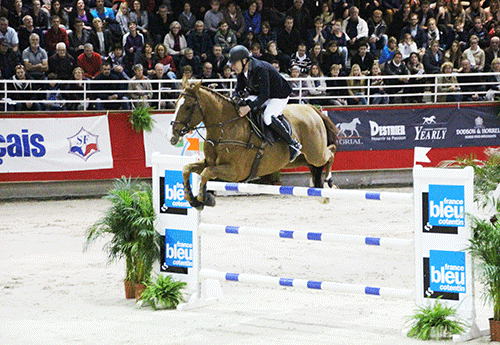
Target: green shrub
163 292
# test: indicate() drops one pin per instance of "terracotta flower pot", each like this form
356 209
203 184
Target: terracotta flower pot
129 289
139 289
494 330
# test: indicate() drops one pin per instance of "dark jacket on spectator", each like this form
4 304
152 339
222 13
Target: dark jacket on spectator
431 64
420 38
108 42
8 62
63 67
75 42
200 43
288 42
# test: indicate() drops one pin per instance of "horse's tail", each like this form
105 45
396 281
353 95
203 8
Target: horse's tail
331 130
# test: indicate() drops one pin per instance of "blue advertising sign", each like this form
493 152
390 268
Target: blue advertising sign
446 205
178 248
174 190
447 271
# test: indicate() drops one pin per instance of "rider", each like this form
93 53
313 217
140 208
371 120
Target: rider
267 88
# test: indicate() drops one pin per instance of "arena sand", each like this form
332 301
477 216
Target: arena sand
51 292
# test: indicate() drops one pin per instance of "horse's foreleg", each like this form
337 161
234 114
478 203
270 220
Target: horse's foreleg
224 172
186 174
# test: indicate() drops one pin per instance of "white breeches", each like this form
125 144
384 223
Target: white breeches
274 107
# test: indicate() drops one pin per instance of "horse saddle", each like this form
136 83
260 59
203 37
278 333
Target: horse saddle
265 132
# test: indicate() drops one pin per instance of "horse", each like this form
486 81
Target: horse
235 153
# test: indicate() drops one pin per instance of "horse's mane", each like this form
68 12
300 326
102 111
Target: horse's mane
220 96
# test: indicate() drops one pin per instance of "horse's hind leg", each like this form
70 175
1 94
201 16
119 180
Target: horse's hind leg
328 172
316 173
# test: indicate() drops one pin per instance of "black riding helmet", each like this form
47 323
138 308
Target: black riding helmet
238 53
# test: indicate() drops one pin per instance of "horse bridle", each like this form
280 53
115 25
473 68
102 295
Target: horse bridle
187 128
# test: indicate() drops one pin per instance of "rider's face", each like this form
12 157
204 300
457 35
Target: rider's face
237 67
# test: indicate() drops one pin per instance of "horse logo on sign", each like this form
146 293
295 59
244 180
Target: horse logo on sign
349 126
83 144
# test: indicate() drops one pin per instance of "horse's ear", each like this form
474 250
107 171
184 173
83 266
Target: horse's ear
196 87
185 82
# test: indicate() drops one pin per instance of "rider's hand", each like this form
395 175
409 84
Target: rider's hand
244 110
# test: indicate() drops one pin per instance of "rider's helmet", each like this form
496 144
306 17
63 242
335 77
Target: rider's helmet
238 53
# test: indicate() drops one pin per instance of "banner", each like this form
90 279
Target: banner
158 140
399 129
54 144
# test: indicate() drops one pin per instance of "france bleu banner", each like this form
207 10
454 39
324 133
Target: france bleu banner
55 144
406 128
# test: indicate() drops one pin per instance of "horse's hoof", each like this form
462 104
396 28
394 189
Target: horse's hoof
196 204
209 199
329 182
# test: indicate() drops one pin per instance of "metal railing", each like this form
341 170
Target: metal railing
424 88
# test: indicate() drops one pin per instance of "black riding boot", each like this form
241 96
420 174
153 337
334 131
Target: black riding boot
293 144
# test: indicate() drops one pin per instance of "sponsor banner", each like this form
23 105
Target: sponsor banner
447 271
158 140
178 248
400 129
55 144
172 193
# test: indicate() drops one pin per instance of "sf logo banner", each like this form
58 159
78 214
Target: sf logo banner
178 248
447 271
446 205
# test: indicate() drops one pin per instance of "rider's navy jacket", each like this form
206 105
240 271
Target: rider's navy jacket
264 81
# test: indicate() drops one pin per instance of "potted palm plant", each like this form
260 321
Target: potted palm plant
129 224
484 248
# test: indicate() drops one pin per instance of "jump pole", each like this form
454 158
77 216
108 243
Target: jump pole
441 198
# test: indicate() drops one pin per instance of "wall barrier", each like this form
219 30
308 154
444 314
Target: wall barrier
441 198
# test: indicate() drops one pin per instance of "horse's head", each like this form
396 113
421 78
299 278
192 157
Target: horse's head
188 112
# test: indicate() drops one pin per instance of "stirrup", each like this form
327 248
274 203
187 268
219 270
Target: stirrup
294 151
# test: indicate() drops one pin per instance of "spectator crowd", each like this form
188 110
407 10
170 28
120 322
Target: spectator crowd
142 43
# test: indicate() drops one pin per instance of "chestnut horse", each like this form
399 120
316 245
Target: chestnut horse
234 153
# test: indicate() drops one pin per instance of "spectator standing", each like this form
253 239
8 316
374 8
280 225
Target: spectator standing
470 85
140 16
107 91
454 55
475 55
175 42
21 92
200 41
377 28
9 59
189 59
416 31
78 38
55 35
187 19
213 17
356 28
301 60
398 69
356 86
89 61
288 39
433 59
140 90
162 57
301 18
492 52
364 59
81 12
234 18
9 34
225 37
252 19
316 85
448 83
35 58
61 63
40 17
